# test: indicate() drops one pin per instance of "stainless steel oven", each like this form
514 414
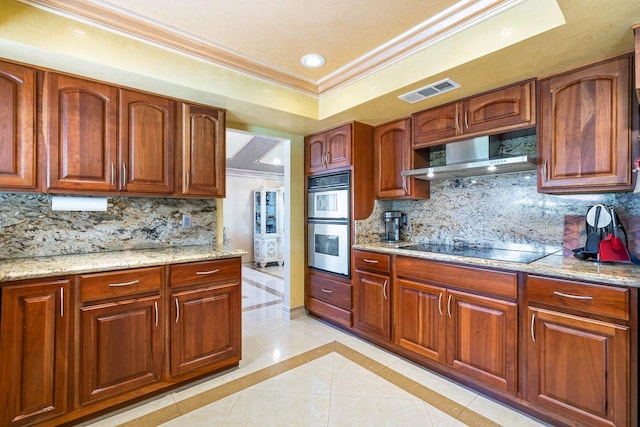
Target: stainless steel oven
328 223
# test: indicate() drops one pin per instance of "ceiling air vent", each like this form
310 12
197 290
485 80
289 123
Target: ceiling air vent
429 91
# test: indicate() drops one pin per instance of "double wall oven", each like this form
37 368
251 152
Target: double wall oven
328 223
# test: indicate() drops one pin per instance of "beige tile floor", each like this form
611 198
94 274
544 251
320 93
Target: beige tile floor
303 372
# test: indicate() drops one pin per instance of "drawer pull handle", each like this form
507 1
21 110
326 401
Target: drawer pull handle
326 291
533 331
204 273
384 290
440 303
177 310
580 297
117 285
155 305
370 261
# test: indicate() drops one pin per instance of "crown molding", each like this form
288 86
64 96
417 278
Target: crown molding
453 20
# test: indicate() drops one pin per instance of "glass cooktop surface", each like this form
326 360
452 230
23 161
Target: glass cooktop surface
509 255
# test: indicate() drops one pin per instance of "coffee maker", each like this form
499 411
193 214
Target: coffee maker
392 222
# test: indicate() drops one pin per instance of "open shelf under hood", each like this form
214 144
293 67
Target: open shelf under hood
500 165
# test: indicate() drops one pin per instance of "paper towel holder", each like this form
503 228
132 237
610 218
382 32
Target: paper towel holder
78 204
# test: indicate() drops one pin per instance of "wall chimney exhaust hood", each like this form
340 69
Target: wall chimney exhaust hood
474 157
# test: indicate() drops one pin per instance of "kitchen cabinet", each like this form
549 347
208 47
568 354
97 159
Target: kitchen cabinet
34 337
105 139
18 161
329 150
121 338
202 171
392 154
81 134
498 111
268 230
587 135
462 317
329 299
145 147
205 331
372 290
578 350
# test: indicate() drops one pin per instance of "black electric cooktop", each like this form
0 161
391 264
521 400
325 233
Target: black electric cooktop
510 255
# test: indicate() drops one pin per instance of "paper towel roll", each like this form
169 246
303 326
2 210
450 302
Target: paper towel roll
78 203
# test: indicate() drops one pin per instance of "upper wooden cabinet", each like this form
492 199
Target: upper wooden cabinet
203 151
329 150
86 151
146 142
586 129
501 110
81 134
17 127
393 153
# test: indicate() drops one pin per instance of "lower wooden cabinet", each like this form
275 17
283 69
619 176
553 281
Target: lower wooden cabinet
420 325
70 347
329 299
34 338
482 338
372 294
476 335
121 332
204 327
576 364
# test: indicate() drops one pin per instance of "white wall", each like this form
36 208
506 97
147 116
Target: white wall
238 210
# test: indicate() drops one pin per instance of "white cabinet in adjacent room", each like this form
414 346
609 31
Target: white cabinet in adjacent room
268 232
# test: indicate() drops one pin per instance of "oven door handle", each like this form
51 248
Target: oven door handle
336 221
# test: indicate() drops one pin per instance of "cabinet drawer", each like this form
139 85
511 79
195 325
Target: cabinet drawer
335 293
114 284
372 261
594 299
195 273
497 283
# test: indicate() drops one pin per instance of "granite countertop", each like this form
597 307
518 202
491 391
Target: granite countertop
63 265
553 265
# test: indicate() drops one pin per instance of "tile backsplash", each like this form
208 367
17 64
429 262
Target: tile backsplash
29 228
490 211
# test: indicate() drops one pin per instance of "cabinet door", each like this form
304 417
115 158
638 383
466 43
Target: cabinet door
121 347
81 136
338 147
35 348
315 153
578 366
205 327
203 152
392 154
372 307
420 322
147 138
482 338
584 139
500 110
431 126
17 121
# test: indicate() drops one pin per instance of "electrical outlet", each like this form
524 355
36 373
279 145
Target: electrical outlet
186 221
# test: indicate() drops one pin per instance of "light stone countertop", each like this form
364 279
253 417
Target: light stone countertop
557 265
64 265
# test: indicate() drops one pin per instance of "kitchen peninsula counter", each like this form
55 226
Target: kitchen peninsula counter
60 265
554 265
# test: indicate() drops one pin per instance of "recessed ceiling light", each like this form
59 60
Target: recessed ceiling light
313 60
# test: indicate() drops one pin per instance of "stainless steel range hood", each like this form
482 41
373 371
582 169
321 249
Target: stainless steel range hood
474 157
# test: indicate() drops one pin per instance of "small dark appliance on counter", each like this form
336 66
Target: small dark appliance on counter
393 220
